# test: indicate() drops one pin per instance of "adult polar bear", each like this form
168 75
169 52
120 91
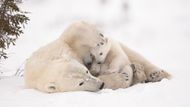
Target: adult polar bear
59 66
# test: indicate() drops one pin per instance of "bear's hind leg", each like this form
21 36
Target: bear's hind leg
157 75
153 73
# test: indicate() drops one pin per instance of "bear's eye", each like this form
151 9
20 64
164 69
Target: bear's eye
101 53
87 72
101 43
81 83
101 35
98 44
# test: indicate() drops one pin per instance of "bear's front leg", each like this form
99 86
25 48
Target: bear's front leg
118 79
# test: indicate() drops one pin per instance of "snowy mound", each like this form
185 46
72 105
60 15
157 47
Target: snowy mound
167 93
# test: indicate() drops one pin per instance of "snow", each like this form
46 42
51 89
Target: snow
165 93
160 30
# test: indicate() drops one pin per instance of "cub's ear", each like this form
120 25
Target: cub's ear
51 87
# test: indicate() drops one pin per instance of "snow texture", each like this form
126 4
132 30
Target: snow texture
158 29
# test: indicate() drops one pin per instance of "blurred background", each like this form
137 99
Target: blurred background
158 29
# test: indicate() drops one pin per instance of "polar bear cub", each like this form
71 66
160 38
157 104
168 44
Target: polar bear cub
81 37
111 61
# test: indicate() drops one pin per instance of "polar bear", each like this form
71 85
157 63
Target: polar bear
60 75
111 60
59 66
82 37
112 56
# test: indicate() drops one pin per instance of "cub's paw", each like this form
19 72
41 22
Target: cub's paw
124 76
116 80
158 75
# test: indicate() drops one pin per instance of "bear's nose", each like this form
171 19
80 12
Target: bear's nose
101 86
89 63
99 63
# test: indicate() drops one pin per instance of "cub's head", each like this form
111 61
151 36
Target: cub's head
71 76
100 51
83 34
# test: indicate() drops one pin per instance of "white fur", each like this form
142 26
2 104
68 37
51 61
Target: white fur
117 59
59 67
152 72
114 61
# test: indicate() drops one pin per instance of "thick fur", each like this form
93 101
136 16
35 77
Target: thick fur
59 66
114 63
117 59
81 38
152 72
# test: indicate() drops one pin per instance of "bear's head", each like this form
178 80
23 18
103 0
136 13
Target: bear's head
70 76
101 50
81 37
82 34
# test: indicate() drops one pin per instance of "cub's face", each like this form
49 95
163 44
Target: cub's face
82 37
73 76
100 51
85 34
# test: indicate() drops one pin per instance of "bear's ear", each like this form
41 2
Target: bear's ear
51 87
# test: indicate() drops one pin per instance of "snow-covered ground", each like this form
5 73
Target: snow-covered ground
163 94
158 29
